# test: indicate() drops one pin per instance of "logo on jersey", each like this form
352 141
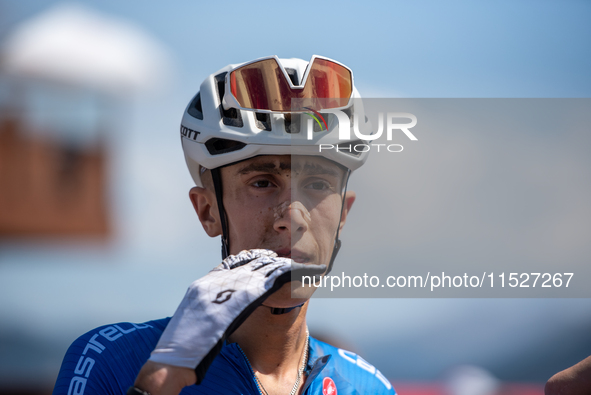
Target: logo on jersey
328 387
363 364
224 296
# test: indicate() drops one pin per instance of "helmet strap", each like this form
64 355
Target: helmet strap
337 242
219 193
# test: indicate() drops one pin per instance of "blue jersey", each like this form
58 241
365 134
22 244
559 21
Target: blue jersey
106 361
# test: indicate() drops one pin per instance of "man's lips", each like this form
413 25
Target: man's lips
297 256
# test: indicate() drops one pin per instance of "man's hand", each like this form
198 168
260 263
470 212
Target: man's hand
213 307
161 379
575 380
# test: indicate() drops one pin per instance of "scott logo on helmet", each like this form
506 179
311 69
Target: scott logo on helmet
189 133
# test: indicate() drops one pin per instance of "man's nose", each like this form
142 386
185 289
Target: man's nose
291 217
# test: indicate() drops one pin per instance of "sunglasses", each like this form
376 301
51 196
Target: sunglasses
264 85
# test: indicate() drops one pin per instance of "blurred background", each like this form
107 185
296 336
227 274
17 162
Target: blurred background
95 223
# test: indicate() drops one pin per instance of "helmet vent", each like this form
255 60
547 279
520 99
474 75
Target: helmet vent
231 116
349 148
350 113
292 123
195 107
293 76
317 128
222 146
263 121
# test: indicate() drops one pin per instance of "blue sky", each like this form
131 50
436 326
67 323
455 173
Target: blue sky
422 49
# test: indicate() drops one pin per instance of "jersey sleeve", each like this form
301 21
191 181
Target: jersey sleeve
106 360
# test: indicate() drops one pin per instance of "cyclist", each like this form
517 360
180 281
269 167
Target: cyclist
250 138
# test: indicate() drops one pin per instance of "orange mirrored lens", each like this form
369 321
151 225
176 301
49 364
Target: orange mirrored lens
328 80
263 86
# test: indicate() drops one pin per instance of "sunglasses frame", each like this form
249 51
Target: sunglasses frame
229 101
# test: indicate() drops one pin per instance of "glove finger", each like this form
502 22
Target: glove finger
293 271
301 269
244 257
268 262
298 273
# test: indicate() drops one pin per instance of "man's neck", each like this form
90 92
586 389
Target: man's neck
273 344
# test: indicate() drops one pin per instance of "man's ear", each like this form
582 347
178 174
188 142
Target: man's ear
350 197
205 205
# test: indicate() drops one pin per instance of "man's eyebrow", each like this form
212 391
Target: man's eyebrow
267 167
313 169
307 168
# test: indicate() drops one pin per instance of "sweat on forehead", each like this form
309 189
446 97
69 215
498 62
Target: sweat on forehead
276 164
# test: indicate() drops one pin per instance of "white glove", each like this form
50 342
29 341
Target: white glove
215 305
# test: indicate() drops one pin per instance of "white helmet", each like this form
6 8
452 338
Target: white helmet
216 131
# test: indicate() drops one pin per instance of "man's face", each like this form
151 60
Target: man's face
288 204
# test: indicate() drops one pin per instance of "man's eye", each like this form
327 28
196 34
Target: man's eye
262 184
318 185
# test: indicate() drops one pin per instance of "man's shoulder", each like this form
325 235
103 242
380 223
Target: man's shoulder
124 331
107 358
347 369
